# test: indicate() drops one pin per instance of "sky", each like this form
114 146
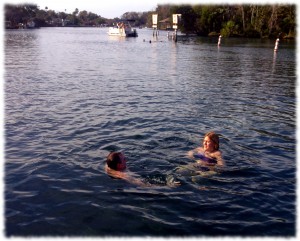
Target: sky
115 8
106 8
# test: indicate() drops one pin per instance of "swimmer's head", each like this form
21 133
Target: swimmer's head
211 142
116 161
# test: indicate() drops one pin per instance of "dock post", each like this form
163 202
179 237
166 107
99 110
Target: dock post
219 41
276 45
154 24
176 18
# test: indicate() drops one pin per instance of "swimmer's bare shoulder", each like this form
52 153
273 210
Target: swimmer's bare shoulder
218 156
191 153
127 176
116 174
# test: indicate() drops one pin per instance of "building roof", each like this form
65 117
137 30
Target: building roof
166 20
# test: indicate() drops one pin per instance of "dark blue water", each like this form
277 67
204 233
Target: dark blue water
72 95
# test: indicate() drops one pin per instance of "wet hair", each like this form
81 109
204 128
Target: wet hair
113 159
214 138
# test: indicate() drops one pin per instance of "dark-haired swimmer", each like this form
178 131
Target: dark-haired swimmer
116 161
209 154
116 166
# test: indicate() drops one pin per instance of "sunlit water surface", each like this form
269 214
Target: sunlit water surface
72 95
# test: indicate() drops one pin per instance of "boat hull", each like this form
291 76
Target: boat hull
122 32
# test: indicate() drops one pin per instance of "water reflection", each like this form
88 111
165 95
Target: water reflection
274 62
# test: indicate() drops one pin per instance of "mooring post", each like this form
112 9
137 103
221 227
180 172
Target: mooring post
154 24
219 41
276 45
175 37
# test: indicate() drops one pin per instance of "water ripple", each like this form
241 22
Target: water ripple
154 102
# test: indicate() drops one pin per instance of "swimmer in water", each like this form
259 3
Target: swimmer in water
116 161
209 154
116 166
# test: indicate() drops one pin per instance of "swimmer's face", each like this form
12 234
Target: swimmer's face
208 144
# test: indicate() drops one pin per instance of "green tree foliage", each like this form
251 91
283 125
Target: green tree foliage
23 13
163 11
140 19
188 17
229 20
229 29
234 20
20 13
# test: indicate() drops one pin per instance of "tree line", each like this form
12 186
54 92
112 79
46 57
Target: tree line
22 14
258 21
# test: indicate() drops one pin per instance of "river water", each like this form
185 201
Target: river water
72 95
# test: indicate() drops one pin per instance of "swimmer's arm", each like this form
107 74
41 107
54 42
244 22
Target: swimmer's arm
138 182
220 161
204 163
115 174
126 176
191 153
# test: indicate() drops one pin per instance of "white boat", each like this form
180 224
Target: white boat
122 29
